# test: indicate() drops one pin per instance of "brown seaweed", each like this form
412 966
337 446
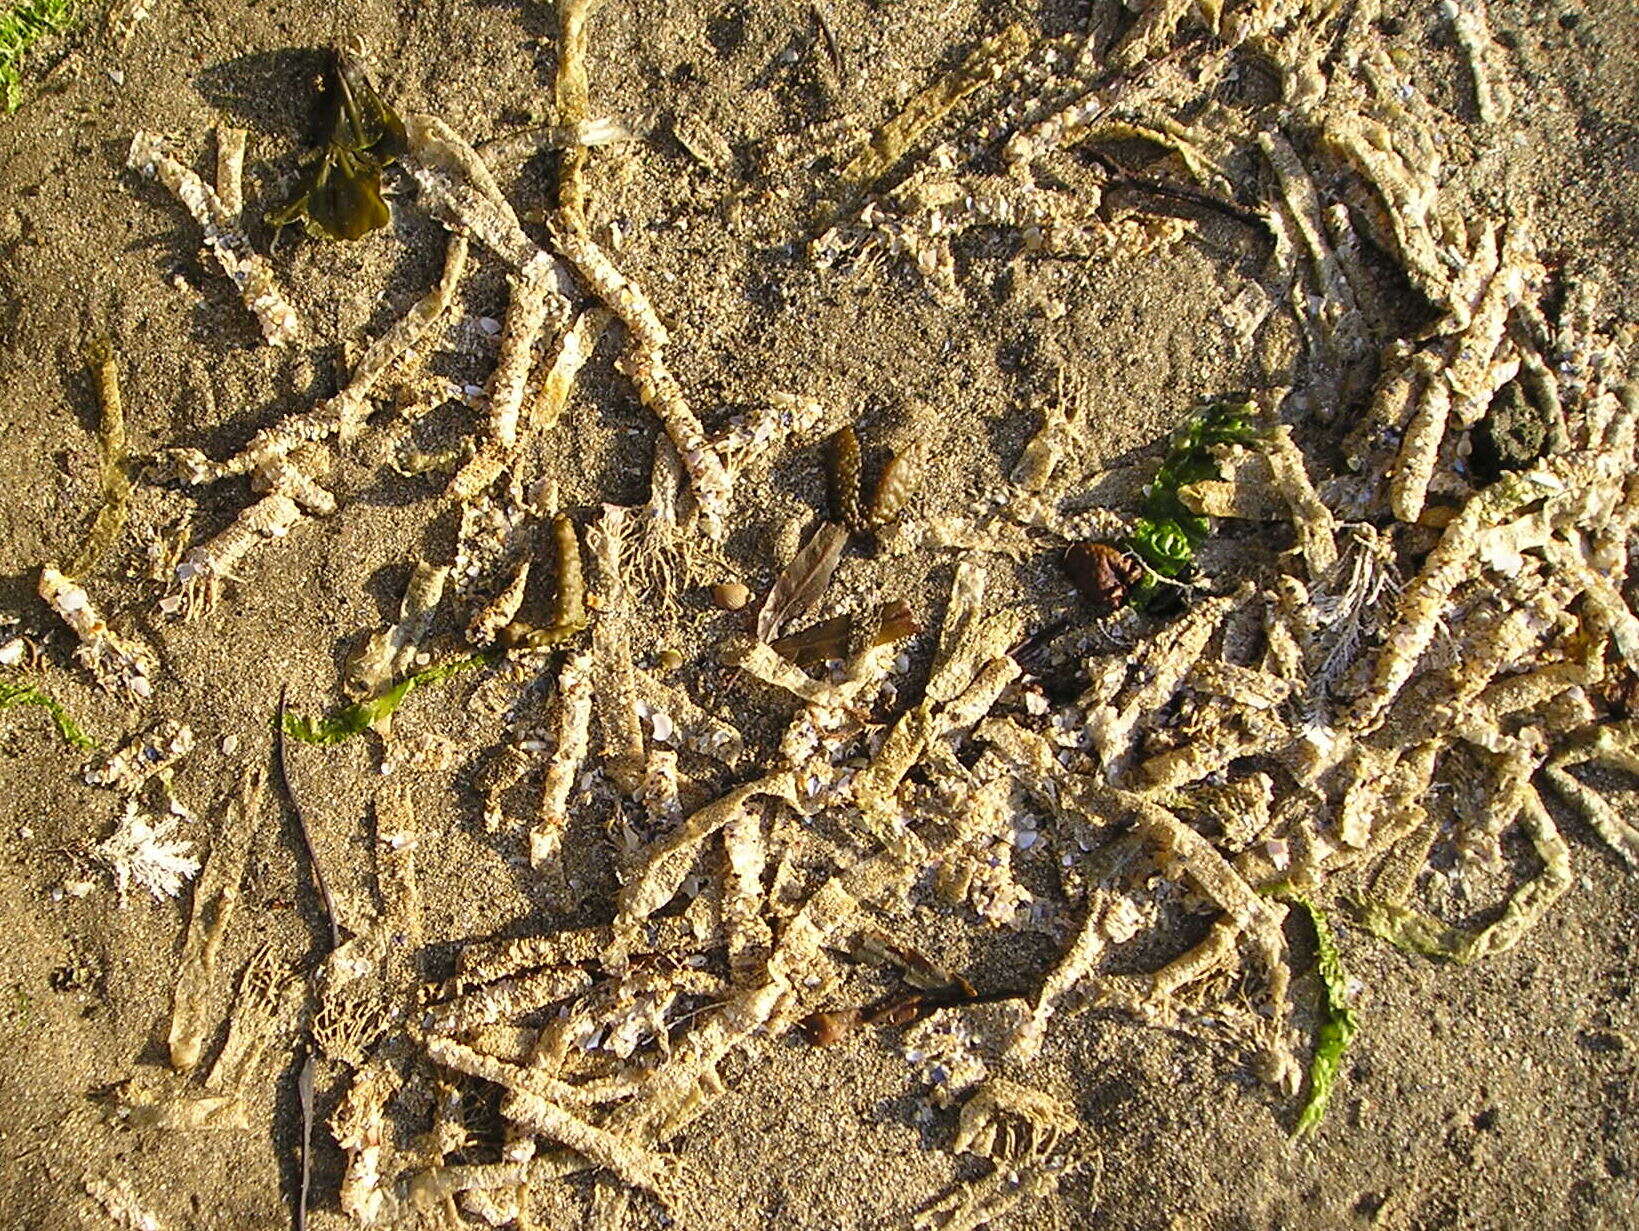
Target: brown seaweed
111 450
893 488
341 195
845 479
843 474
832 638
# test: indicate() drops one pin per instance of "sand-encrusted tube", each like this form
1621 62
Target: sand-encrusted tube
249 271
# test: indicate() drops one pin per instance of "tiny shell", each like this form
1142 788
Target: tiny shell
730 595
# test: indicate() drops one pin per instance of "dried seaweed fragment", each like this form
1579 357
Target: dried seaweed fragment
341 197
645 364
1410 930
13 692
1423 600
1337 1027
203 570
1417 931
122 1205
215 897
572 97
116 485
1492 97
801 586
392 651
248 271
115 661
361 716
985 63
573 725
569 613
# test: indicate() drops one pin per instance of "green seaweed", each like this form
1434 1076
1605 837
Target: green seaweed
1166 533
1412 931
23 24
1420 933
341 195
14 692
1336 1028
359 717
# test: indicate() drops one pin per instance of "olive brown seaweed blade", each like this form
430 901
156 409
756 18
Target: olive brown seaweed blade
341 195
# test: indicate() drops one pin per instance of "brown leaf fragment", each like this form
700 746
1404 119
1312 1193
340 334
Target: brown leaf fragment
803 583
829 1027
897 622
917 968
1103 572
899 1010
817 643
832 638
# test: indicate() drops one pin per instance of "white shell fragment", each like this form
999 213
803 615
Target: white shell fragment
146 852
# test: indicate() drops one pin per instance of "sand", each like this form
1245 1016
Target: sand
1498 1095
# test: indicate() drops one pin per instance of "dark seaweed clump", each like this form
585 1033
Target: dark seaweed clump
341 192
